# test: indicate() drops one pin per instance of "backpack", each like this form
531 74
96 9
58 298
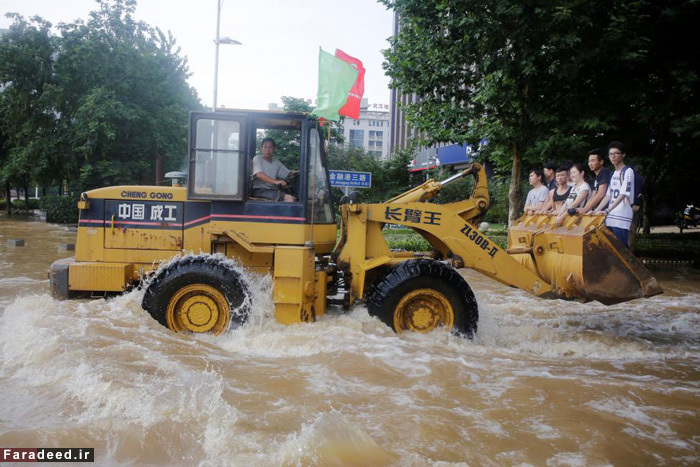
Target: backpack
638 184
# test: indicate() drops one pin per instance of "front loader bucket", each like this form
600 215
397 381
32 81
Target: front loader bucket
581 259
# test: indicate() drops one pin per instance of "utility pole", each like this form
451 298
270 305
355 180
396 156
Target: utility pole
219 40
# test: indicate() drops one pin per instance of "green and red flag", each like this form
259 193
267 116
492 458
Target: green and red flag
335 79
352 106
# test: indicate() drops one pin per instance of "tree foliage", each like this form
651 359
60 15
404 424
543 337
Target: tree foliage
505 70
652 88
289 142
548 80
27 123
96 105
390 177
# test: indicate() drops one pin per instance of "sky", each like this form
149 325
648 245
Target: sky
280 41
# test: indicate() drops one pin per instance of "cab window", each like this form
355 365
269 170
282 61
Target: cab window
217 159
287 136
318 193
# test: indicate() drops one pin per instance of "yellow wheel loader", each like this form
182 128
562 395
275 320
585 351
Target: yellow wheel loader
126 232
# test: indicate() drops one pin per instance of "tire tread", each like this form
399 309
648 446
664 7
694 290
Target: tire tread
384 294
207 269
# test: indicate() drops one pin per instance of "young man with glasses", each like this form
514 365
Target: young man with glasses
620 193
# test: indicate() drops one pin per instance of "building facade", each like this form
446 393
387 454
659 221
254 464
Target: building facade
371 132
401 133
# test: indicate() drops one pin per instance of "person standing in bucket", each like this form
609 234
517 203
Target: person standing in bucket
538 195
619 195
596 162
559 195
578 194
549 175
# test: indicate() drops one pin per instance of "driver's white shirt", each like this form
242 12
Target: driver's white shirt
274 169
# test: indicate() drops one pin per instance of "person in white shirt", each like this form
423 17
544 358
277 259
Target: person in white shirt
577 196
538 195
269 174
620 192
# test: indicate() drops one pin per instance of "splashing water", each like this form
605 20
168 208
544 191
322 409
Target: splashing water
543 382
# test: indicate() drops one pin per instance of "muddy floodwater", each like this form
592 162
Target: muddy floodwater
543 383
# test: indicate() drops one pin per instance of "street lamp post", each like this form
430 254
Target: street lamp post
217 41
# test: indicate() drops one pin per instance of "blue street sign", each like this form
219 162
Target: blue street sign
349 178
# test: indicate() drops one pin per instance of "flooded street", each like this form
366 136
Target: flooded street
543 383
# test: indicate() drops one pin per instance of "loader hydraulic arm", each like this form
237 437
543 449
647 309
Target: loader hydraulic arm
448 228
451 236
575 261
476 204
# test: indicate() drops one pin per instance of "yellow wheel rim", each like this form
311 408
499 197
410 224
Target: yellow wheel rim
423 310
198 308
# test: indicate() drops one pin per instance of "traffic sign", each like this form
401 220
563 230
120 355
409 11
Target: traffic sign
348 178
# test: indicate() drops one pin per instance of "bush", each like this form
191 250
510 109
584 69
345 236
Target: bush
405 239
21 205
669 246
410 240
60 209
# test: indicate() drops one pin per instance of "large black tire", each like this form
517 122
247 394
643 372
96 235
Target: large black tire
422 287
198 294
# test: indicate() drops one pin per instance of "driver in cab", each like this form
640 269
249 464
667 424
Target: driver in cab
269 175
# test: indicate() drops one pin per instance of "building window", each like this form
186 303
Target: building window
376 136
357 138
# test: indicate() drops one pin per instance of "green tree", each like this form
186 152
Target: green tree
651 87
27 122
389 177
288 142
103 103
122 96
549 80
297 104
505 70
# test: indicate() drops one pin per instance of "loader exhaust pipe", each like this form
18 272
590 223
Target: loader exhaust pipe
463 173
431 188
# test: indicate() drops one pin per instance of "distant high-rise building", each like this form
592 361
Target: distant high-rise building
371 132
401 133
425 158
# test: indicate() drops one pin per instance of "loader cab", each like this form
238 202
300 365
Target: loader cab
222 146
